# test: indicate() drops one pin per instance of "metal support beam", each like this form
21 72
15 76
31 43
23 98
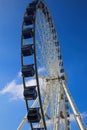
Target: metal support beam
74 109
22 123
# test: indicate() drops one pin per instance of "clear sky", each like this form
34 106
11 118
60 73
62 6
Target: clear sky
70 18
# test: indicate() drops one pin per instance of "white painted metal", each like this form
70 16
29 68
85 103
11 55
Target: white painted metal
25 117
75 111
22 123
52 89
73 107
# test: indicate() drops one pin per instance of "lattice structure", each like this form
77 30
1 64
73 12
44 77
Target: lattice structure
48 99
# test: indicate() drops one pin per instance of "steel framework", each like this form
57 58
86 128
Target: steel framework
47 99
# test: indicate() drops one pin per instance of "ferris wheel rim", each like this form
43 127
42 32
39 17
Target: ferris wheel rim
54 32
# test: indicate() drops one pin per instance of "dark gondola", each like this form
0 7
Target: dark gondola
27 33
27 50
28 70
30 93
33 115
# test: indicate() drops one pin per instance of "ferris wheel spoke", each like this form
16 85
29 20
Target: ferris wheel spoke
42 65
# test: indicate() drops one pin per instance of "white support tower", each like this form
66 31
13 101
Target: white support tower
71 102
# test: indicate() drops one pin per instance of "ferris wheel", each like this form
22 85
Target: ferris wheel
46 94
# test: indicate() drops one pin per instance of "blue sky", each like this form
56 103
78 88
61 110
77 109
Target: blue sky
70 18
